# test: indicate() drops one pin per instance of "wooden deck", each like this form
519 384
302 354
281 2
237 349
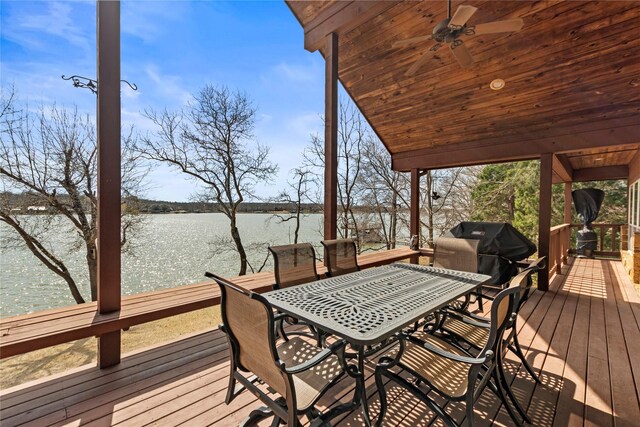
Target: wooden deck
583 336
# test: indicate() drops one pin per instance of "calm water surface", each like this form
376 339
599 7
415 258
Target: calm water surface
171 250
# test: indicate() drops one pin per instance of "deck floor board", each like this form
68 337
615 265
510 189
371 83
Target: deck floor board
583 337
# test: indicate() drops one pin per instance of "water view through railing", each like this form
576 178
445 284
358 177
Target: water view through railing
170 250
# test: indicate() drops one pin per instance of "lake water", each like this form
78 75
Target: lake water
170 250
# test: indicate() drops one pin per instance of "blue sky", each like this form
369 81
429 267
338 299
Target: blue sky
171 49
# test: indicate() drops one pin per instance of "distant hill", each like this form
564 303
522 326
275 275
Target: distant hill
159 206
30 203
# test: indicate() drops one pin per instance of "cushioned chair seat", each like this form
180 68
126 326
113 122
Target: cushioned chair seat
473 334
312 382
445 374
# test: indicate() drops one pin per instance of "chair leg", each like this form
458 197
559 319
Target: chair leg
383 396
448 421
518 351
479 300
276 421
500 392
507 388
469 408
231 387
257 415
280 330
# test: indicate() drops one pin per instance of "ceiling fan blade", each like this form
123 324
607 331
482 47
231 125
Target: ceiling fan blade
461 16
419 62
462 55
507 26
409 42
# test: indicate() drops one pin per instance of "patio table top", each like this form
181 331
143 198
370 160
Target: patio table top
369 306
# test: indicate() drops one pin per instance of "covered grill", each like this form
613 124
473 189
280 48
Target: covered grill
501 245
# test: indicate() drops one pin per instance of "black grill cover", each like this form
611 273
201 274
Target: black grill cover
500 246
588 202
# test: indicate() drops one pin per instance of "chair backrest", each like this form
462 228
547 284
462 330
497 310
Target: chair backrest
248 321
503 311
538 264
456 254
340 256
294 264
524 280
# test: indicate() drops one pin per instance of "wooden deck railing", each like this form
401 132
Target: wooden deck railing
608 238
33 331
558 247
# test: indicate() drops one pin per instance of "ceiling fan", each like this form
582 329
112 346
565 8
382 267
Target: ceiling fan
451 29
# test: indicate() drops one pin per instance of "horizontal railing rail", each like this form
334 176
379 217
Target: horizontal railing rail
558 247
608 238
34 331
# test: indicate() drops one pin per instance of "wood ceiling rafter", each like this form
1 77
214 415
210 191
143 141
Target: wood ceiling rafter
596 135
601 173
562 168
572 76
341 18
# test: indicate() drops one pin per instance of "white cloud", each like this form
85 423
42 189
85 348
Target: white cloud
298 73
305 124
147 20
168 86
57 21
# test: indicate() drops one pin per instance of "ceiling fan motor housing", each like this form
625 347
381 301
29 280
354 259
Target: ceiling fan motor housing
442 33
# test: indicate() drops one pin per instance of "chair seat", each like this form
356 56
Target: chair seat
314 381
448 376
470 333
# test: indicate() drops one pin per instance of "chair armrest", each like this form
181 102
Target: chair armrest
329 351
452 356
470 319
280 315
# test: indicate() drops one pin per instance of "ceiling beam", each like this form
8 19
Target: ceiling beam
603 173
341 19
526 148
634 168
562 168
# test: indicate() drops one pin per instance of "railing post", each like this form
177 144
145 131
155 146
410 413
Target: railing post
544 218
331 138
108 127
567 203
414 208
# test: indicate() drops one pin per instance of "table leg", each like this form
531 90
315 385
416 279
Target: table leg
355 371
361 390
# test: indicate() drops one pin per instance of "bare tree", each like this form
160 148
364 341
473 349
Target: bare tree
51 157
209 142
384 191
446 200
352 132
296 195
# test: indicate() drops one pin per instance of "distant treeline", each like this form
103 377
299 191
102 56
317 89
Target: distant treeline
29 203
156 206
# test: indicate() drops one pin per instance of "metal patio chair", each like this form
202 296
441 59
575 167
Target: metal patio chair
473 330
447 369
340 256
296 370
461 255
294 265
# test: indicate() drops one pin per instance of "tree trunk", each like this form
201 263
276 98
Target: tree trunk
92 264
235 235
77 296
393 221
297 230
512 208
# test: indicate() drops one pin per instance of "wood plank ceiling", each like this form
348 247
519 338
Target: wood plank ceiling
572 80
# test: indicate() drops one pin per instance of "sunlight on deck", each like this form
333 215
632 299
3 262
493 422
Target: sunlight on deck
581 337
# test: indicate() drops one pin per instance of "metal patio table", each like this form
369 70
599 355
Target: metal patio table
369 306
